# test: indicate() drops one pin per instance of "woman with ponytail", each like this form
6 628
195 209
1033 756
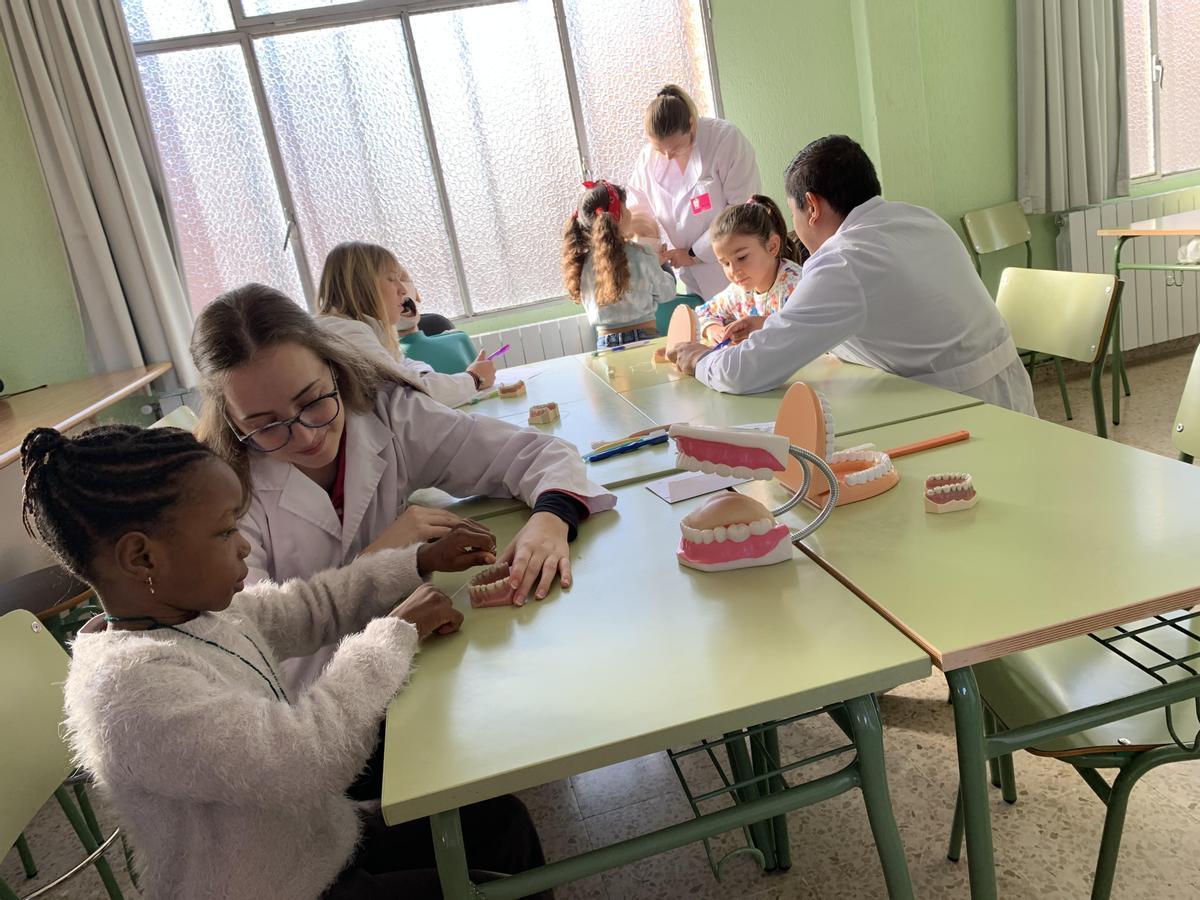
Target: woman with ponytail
618 281
691 168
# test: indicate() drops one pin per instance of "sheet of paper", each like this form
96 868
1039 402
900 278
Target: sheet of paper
675 488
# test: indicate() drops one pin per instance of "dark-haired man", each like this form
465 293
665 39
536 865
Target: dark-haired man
888 285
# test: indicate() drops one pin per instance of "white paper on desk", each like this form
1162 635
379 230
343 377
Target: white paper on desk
768 427
675 488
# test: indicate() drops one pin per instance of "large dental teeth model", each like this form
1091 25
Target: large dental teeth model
805 420
950 492
720 451
732 531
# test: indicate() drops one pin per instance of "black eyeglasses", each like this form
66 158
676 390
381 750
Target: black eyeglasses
316 413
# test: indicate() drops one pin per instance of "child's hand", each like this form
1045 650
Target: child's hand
415 525
713 333
743 328
538 553
484 370
430 611
465 546
662 254
685 356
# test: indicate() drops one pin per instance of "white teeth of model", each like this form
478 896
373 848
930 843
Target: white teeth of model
760 526
719 534
706 536
723 470
742 472
738 533
764 474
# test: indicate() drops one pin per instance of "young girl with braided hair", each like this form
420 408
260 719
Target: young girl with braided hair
229 783
618 281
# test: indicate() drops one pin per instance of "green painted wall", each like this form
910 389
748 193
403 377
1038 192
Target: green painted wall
41 335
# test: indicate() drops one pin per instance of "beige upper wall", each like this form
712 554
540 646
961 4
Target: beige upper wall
41 336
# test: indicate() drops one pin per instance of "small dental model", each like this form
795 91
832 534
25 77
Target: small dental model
515 389
543 413
949 492
731 530
490 587
805 419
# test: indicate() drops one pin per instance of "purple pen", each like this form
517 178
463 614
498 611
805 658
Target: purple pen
499 352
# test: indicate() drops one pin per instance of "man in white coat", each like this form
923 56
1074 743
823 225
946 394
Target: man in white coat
888 285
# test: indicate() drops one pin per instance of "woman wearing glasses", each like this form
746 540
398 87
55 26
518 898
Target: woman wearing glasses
329 446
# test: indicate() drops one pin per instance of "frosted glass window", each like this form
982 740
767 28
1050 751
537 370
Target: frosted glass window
620 68
501 115
267 7
1139 106
354 149
1179 113
226 205
154 20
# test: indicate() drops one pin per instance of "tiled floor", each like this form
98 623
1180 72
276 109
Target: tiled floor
1045 843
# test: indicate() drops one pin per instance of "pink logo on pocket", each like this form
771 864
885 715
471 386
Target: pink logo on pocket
701 204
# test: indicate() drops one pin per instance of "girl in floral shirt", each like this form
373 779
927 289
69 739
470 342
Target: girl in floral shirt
762 263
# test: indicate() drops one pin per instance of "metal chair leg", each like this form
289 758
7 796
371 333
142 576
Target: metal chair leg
27 862
954 851
1062 387
1098 400
89 842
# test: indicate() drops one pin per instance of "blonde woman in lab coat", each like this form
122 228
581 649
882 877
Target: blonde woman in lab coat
690 169
329 447
888 285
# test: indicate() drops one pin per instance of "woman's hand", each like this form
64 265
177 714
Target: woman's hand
538 553
430 611
483 369
681 259
415 525
713 333
744 327
464 547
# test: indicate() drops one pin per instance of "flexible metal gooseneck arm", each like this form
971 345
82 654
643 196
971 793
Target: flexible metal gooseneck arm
805 457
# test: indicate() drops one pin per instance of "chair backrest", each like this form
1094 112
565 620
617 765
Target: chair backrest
997 228
1186 433
664 310
34 760
1064 314
182 417
40 590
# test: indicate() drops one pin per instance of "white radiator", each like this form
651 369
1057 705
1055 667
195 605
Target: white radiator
1155 306
541 340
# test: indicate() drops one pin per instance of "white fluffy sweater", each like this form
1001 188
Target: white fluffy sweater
224 790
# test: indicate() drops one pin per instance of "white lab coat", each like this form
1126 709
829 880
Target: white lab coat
722 168
894 289
368 339
405 442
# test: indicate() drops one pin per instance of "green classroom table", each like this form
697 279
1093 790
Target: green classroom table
860 396
640 655
1071 534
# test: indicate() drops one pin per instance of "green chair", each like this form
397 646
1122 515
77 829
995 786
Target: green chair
449 353
34 760
1068 315
1028 688
998 228
662 315
1186 436
181 417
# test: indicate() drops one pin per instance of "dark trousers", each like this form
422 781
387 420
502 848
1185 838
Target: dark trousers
499 836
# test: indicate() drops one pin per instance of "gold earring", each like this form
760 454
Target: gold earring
150 581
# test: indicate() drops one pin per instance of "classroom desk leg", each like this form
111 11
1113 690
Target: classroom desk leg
1119 377
867 730
783 850
743 770
973 781
451 855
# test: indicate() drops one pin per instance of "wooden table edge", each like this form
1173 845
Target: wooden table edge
1025 640
1147 232
153 372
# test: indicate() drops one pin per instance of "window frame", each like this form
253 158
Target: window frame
1156 81
247 28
